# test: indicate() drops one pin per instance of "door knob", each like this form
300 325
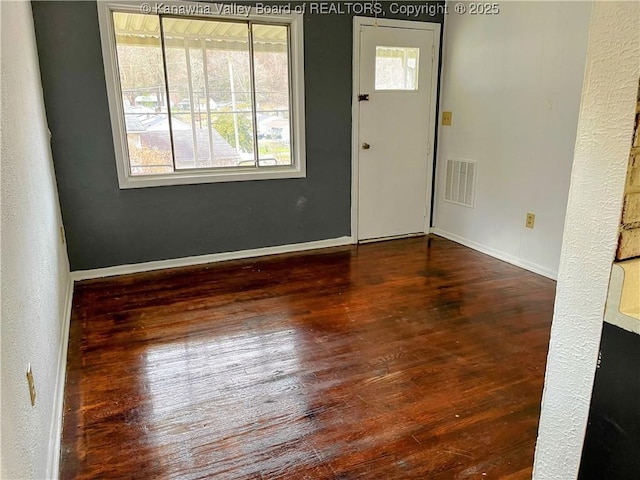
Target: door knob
366 146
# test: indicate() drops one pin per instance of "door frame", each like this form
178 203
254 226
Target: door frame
355 109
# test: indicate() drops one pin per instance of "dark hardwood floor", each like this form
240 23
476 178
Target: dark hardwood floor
412 358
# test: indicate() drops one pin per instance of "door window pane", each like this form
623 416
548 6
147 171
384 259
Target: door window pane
397 68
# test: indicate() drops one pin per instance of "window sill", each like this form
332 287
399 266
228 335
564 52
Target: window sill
192 178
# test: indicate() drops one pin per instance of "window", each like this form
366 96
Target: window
397 68
210 97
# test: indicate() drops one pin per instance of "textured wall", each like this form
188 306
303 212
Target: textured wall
513 83
590 236
612 441
107 226
34 267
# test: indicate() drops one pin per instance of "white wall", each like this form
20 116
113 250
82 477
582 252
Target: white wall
513 83
34 267
590 237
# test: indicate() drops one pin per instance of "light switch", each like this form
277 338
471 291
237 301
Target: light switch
446 118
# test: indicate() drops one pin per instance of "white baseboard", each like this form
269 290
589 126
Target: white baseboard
211 258
518 262
55 435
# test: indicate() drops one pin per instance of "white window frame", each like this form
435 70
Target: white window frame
206 175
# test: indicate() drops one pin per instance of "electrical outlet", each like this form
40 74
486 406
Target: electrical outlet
32 386
531 220
446 118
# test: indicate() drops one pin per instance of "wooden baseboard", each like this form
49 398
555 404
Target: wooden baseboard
518 262
55 435
211 258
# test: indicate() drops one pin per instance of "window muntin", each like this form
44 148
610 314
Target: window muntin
396 68
205 99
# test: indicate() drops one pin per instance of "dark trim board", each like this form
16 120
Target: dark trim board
612 442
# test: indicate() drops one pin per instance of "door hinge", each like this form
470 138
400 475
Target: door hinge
363 97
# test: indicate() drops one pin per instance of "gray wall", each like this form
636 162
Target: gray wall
106 226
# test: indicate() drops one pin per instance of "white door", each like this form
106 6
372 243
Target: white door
394 103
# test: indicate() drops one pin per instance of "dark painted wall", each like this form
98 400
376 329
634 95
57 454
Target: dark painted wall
612 442
106 226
